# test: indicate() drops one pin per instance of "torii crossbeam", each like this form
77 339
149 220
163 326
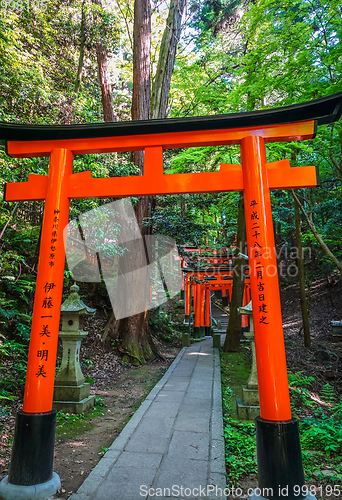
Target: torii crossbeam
254 176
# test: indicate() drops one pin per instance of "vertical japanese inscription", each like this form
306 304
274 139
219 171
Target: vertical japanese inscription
258 253
47 304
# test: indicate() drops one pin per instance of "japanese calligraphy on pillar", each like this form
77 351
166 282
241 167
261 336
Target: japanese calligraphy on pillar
258 253
47 304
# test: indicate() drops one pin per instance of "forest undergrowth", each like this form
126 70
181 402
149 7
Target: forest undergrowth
315 377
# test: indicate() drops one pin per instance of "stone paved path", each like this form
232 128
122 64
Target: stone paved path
173 446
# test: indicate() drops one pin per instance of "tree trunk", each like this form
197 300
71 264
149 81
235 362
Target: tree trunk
337 163
141 99
232 342
134 334
301 277
9 219
81 56
134 331
35 258
166 61
106 88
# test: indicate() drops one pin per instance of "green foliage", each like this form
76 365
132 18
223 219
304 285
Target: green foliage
240 449
13 316
321 434
64 418
337 411
299 392
297 379
162 327
212 15
327 393
7 396
38 67
15 323
13 361
315 461
197 219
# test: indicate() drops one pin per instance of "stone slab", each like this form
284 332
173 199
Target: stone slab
185 340
245 412
151 436
182 472
41 491
197 424
70 392
139 460
217 339
75 406
216 426
122 484
176 385
192 445
250 397
169 396
217 483
160 410
217 454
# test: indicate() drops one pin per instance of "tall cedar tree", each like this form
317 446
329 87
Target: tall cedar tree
166 61
134 331
104 77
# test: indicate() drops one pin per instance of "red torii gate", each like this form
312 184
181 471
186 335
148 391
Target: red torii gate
32 459
203 280
206 256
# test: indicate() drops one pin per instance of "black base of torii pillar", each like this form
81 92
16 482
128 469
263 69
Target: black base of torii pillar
31 476
280 468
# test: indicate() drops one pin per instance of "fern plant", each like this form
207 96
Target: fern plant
321 434
337 409
299 380
327 393
299 393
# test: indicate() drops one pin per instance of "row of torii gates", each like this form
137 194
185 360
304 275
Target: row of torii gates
213 271
278 446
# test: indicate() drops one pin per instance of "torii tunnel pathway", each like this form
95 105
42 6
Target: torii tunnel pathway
219 315
173 440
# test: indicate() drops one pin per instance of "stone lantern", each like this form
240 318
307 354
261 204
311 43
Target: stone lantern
71 393
248 407
161 298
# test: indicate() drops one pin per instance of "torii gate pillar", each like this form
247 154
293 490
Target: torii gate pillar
278 446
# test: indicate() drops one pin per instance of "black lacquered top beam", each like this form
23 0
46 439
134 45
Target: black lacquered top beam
324 110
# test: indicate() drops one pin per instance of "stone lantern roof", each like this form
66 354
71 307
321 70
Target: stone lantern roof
246 309
73 304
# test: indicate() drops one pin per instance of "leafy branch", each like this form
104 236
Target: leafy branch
323 245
